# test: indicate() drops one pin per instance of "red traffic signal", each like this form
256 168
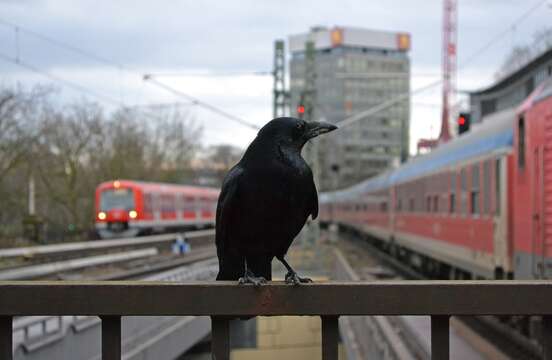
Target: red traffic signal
463 123
300 109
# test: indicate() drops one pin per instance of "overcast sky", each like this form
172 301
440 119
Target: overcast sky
221 37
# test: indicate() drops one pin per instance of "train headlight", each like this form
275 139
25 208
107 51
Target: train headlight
133 214
102 215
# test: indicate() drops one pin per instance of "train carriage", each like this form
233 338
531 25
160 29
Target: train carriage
126 208
477 207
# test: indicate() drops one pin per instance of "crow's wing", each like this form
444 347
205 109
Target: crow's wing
231 264
313 200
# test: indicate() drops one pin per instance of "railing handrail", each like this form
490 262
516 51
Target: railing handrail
320 298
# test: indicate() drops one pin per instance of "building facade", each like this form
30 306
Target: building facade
356 70
510 91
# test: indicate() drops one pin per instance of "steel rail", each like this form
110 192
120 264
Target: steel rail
34 271
45 250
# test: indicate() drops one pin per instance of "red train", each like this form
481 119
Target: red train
477 207
126 208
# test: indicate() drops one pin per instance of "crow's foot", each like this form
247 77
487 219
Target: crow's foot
293 278
250 278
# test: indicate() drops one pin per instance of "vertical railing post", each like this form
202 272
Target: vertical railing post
220 338
6 334
111 337
330 337
439 337
547 337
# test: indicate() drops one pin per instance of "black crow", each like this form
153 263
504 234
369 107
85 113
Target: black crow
265 200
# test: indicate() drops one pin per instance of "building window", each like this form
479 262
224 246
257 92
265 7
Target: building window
436 203
452 202
411 205
521 142
475 190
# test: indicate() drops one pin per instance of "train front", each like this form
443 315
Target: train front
116 207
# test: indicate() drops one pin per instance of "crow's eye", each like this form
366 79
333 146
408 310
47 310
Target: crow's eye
300 125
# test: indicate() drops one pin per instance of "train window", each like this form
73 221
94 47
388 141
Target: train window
521 142
452 203
497 186
147 203
411 204
487 187
399 205
167 203
436 203
452 197
463 189
474 194
428 203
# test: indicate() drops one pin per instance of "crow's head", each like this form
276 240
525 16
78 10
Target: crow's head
292 132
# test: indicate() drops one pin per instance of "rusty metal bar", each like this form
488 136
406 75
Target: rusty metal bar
111 337
6 337
220 343
440 337
547 337
330 337
223 298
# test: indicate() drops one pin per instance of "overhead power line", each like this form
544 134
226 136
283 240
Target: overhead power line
503 33
196 101
111 63
384 105
207 74
60 80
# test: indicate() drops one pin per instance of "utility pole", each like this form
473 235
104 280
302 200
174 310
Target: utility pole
280 94
308 97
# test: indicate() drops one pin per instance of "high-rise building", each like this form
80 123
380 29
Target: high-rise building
356 69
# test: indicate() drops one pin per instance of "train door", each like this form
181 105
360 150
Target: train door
500 218
538 240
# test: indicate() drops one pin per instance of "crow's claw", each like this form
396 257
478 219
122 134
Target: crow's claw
249 278
294 279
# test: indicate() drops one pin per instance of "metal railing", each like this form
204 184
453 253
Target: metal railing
226 300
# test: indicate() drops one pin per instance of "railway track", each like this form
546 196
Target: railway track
487 333
105 259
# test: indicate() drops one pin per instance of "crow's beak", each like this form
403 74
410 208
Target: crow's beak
318 128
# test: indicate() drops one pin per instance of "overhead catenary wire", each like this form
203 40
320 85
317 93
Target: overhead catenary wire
196 101
114 64
55 78
384 105
74 86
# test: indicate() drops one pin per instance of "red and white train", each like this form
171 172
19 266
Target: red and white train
126 208
479 206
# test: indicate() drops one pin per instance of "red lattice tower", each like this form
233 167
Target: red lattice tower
449 65
449 74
